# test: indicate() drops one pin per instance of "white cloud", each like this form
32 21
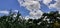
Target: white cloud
52 6
56 5
4 12
14 15
33 6
27 17
16 10
30 5
36 14
46 2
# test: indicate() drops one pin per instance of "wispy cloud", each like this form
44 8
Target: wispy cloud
16 10
4 12
56 5
46 2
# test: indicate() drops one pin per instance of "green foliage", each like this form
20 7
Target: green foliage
16 22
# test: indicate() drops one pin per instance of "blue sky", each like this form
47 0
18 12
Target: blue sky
45 8
14 4
7 4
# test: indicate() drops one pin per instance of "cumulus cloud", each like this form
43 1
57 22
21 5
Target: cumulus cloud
36 14
4 12
30 4
33 6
